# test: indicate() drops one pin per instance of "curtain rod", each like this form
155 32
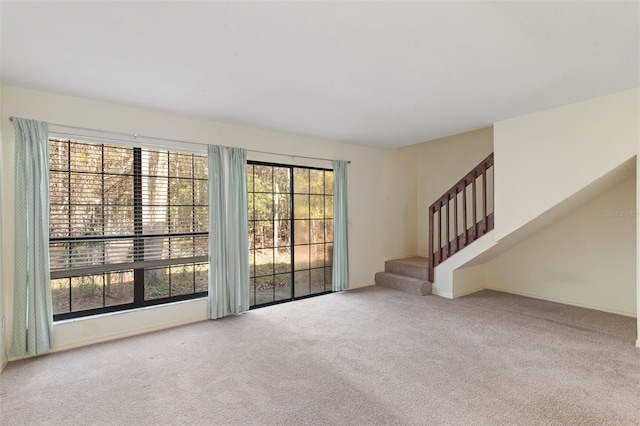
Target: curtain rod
135 136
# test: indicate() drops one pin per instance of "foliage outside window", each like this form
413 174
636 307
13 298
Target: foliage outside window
128 227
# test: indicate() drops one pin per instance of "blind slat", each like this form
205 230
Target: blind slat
92 205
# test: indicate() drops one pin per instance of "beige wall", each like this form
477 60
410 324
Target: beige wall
399 196
587 258
543 158
441 163
368 210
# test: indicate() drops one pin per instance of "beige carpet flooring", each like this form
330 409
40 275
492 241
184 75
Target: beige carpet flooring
364 357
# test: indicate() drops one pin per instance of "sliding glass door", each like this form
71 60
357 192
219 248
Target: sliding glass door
290 231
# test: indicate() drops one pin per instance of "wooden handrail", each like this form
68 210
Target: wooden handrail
469 234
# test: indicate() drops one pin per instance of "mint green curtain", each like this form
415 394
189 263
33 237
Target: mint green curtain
32 311
228 232
217 233
340 227
237 232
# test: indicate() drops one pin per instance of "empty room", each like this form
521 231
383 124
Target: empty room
310 212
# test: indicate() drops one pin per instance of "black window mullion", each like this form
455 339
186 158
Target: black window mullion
169 222
69 216
273 227
293 235
103 244
138 244
104 290
309 230
255 269
70 294
324 230
193 215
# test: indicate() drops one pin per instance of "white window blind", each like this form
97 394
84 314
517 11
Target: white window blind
116 207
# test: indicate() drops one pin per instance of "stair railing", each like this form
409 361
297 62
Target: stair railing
457 227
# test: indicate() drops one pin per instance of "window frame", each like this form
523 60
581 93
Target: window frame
292 272
137 266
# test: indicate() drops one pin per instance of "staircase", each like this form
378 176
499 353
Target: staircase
458 218
409 275
462 215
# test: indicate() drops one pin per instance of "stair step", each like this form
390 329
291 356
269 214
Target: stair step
403 283
415 267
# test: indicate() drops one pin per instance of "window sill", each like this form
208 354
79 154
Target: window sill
124 312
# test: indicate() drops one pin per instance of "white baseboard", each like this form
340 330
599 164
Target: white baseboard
452 296
563 301
435 292
638 343
466 293
535 296
361 286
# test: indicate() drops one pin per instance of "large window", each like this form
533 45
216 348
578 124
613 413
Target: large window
128 227
290 231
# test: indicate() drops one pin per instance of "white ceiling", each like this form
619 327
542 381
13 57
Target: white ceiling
382 74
